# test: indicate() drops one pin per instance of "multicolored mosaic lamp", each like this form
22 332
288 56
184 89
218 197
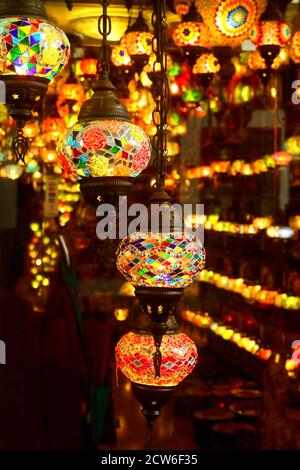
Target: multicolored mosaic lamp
104 150
192 35
230 21
32 52
138 42
270 34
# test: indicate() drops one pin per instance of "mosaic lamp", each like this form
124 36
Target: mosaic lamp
257 62
295 48
104 150
205 67
32 53
138 42
152 386
230 21
270 34
192 35
180 7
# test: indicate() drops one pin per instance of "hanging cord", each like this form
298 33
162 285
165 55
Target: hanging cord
161 90
104 29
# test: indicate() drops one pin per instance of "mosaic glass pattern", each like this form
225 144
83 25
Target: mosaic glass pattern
295 48
32 47
182 7
160 260
138 42
104 148
257 62
206 63
134 357
230 21
274 33
120 56
192 33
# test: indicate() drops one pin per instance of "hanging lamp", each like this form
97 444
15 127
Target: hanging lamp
270 33
192 35
104 150
138 42
32 52
160 264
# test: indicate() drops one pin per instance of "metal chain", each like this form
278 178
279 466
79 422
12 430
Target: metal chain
161 90
104 29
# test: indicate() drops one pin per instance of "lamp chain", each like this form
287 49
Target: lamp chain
104 29
161 90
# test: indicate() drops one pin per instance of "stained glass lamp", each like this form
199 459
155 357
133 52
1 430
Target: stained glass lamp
32 52
257 62
192 35
205 67
138 42
104 150
270 34
295 48
120 56
152 385
181 7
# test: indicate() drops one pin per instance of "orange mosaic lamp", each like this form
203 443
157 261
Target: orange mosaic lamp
192 35
257 62
205 67
270 34
295 48
181 7
230 21
138 42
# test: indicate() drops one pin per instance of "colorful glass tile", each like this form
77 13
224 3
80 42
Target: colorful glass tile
32 47
176 259
134 357
206 63
274 33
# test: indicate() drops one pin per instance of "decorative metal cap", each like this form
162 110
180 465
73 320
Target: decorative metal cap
104 104
26 8
139 25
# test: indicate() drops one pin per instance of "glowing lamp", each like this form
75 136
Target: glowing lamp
11 171
171 260
53 127
295 48
192 35
134 357
230 21
120 56
86 67
121 314
182 7
270 34
282 158
265 354
262 223
138 42
104 150
280 232
32 52
205 67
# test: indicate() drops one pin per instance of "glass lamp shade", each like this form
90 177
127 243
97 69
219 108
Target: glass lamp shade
53 127
230 21
206 63
86 67
104 148
171 260
32 47
11 171
135 352
257 62
120 56
270 33
295 48
192 33
138 42
182 7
